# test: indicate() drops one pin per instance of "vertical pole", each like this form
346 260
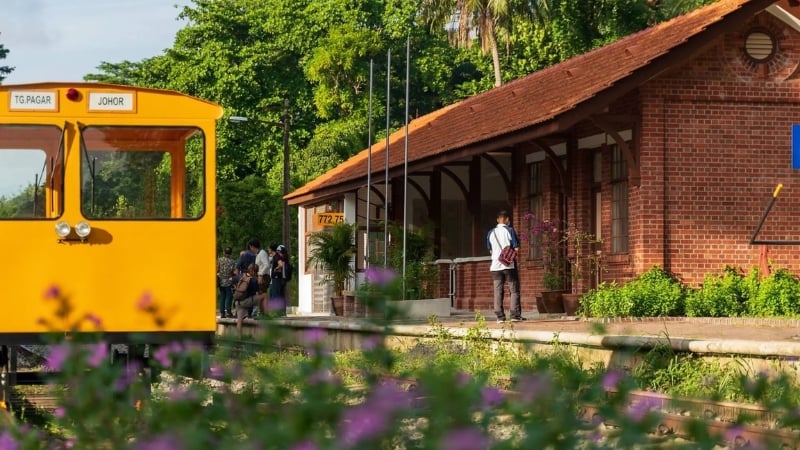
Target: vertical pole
369 168
286 221
386 164
405 168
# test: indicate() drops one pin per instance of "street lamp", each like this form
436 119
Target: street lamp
285 124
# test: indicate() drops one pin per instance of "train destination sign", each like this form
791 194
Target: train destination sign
111 101
33 101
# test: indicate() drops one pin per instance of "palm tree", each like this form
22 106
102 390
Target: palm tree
467 20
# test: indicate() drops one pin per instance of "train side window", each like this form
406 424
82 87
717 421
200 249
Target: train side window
135 172
31 171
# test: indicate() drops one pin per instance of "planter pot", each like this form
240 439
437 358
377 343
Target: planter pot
349 304
571 303
551 302
337 305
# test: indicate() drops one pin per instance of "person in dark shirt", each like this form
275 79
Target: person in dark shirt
280 276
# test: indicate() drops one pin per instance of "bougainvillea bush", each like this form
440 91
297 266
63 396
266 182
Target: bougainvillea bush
307 402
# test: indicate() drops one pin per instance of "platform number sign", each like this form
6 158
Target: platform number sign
796 146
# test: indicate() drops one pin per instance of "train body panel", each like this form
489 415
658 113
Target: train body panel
136 168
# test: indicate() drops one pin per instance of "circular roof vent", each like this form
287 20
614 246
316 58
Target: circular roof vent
759 45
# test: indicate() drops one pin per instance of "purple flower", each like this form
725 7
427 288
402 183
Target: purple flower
389 397
60 412
361 423
162 442
612 378
465 439
314 335
371 342
97 354
57 356
276 304
490 396
531 386
52 292
162 355
7 441
639 410
128 377
463 379
380 276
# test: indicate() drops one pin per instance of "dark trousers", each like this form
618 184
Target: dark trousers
500 278
277 297
225 302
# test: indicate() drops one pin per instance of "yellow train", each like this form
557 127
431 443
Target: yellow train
107 211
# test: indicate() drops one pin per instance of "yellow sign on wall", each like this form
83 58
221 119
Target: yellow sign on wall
327 219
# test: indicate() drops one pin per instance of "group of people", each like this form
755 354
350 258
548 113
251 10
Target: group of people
265 272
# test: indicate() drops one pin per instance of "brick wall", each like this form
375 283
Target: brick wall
716 140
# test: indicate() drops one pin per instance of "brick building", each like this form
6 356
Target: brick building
667 144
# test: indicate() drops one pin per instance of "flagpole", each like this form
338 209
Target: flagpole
405 167
369 167
386 164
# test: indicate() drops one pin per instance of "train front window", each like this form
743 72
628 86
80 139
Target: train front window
31 171
142 172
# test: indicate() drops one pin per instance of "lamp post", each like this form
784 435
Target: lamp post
284 123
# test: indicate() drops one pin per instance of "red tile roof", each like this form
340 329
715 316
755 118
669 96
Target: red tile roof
535 105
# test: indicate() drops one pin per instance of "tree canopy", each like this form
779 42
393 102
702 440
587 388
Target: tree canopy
249 55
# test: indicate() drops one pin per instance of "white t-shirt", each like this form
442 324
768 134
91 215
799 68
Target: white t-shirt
263 262
499 238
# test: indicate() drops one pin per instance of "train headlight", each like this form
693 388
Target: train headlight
82 229
63 229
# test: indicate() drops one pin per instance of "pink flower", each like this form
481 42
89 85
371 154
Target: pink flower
98 354
612 378
7 441
371 342
380 276
57 356
145 302
490 396
361 423
314 335
60 412
465 439
52 292
163 356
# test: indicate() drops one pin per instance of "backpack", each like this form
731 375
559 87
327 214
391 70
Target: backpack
287 270
240 290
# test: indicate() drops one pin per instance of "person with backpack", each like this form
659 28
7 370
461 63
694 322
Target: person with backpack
245 295
281 273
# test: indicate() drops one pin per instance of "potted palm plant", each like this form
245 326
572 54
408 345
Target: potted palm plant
332 251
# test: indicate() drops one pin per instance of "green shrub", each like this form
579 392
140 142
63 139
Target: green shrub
606 301
655 293
778 295
723 295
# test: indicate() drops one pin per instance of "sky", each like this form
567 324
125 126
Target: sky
63 40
